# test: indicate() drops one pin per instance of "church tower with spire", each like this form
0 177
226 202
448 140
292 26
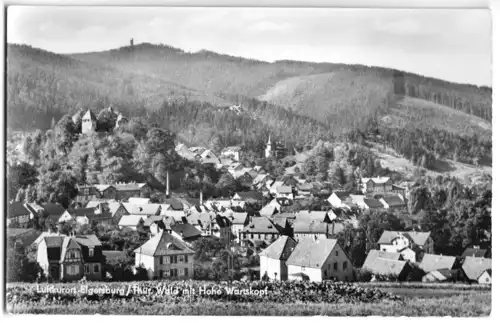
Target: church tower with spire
269 149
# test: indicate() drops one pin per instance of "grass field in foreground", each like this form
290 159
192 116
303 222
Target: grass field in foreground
462 303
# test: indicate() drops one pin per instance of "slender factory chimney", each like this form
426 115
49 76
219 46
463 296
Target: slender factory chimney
201 198
167 192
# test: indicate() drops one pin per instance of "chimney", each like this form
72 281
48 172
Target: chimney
201 198
167 184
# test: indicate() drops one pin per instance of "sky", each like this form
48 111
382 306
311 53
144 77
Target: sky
450 44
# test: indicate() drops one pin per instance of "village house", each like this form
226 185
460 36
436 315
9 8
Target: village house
127 190
89 216
57 214
476 252
273 259
155 224
142 209
370 204
440 275
183 151
394 202
87 193
132 222
184 231
474 267
411 244
374 254
250 197
319 259
71 258
89 122
208 157
232 152
259 181
138 200
258 231
18 216
485 277
316 216
398 269
312 229
284 191
106 192
268 211
117 210
238 222
431 262
172 217
201 221
379 185
166 257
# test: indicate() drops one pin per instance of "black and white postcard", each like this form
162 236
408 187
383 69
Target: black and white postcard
227 161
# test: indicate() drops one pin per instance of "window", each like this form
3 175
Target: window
251 236
73 270
186 258
384 249
259 236
344 265
335 266
180 258
336 253
324 273
96 268
91 252
161 261
173 259
328 266
161 273
86 268
186 272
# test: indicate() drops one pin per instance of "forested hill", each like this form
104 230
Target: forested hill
298 101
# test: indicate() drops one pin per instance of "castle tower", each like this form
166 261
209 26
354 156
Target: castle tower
131 42
269 149
89 122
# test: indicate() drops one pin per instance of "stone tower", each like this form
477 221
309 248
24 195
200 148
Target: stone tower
89 122
131 42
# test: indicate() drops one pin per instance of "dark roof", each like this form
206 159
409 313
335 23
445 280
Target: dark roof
280 249
474 252
342 195
114 255
393 200
164 244
175 204
373 203
260 225
53 209
16 209
311 253
255 195
54 241
185 230
82 212
89 240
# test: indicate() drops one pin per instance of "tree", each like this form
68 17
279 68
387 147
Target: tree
227 185
106 120
66 134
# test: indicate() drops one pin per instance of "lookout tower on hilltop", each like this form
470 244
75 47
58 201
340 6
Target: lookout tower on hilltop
131 42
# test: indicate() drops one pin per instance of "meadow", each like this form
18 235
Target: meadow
282 299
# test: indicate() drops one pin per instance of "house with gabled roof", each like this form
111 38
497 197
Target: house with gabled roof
412 244
88 216
370 204
474 267
485 277
397 269
128 190
284 191
258 231
374 254
18 215
431 262
138 200
312 229
89 122
268 211
376 185
393 202
440 275
273 258
142 209
319 259
238 222
133 222
309 216
476 252
71 258
223 229
166 257
201 221
232 152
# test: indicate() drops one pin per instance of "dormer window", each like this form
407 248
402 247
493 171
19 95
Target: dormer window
91 252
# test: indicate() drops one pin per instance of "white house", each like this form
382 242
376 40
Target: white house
411 244
273 258
284 191
376 185
485 277
166 257
319 259
131 221
340 199
232 152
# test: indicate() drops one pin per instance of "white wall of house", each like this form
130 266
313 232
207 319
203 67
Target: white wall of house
338 265
164 265
485 278
335 201
66 217
314 274
409 254
275 268
42 257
